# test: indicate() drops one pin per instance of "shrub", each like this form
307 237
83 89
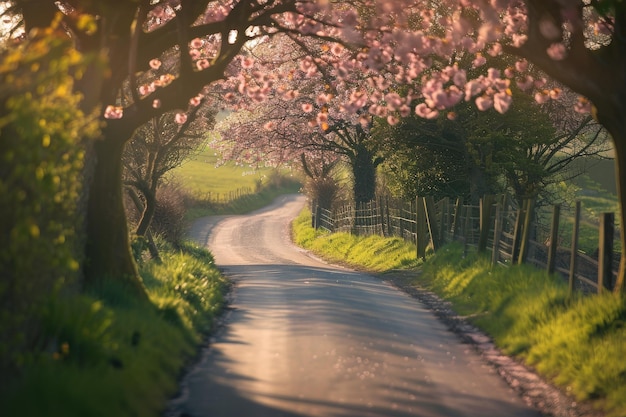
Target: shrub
41 159
169 217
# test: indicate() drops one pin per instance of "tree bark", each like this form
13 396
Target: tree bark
364 172
147 214
617 128
107 250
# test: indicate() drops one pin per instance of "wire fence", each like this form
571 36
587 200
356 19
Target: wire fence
510 234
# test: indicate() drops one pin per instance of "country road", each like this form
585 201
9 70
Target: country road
304 338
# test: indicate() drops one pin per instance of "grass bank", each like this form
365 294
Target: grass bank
107 355
577 342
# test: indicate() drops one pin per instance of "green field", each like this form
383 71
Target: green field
202 176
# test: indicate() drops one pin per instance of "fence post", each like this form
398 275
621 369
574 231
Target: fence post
467 228
443 218
519 218
431 221
554 238
420 226
523 250
497 235
605 252
485 216
457 217
318 214
573 263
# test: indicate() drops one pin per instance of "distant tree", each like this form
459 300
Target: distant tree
158 147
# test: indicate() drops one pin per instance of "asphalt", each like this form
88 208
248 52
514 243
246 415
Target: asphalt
304 338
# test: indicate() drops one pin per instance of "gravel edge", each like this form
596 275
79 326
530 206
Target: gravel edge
534 389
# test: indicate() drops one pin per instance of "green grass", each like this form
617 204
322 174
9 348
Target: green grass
108 355
577 342
201 176
374 252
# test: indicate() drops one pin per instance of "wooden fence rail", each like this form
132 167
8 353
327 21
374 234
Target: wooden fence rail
511 235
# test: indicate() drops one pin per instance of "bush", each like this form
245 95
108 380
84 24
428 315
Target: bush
41 159
169 217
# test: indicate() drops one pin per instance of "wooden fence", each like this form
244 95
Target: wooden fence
509 234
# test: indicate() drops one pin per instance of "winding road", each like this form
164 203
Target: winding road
304 338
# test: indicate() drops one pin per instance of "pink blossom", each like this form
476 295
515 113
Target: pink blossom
269 125
496 49
336 49
519 40
542 97
202 64
473 88
557 51
322 117
484 102
525 83
156 103
155 64
247 63
426 112
451 115
404 110
501 102
479 60
307 107
113 112
509 73
195 53
521 65
144 90
195 101
460 78
392 120
394 101
493 73
196 43
180 118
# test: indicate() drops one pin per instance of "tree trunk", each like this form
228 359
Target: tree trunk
619 141
147 213
364 172
107 250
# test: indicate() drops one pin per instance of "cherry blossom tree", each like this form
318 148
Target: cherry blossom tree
153 57
579 43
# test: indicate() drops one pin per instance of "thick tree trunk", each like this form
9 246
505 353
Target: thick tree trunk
619 141
107 250
364 172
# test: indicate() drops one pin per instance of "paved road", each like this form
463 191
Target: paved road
308 339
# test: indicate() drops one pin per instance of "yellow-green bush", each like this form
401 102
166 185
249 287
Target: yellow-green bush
41 126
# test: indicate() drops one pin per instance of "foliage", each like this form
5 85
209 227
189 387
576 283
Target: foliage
112 356
41 126
575 341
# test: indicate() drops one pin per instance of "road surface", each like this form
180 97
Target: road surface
305 338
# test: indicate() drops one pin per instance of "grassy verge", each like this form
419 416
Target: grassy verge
108 355
577 342
374 253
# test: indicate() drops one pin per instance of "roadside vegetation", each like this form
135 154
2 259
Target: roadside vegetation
576 342
108 355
